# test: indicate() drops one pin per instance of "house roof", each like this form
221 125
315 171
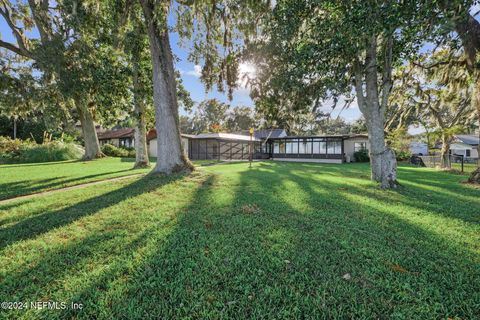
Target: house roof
468 139
264 133
344 136
221 135
152 134
116 134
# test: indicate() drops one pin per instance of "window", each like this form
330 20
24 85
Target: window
467 153
282 146
288 147
319 147
334 147
294 146
276 148
358 146
305 146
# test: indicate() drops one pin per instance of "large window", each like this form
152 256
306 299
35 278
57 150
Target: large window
282 146
319 146
305 146
358 146
276 148
288 147
334 147
467 153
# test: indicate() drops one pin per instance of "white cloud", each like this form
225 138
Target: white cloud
196 72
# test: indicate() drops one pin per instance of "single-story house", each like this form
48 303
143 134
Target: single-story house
465 145
269 144
124 137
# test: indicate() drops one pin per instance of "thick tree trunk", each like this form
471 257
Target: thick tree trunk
444 152
170 154
92 146
141 152
382 159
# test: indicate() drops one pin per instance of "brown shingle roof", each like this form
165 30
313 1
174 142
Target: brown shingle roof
116 134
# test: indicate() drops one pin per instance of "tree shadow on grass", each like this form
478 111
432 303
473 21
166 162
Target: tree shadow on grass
25 187
242 248
256 256
41 223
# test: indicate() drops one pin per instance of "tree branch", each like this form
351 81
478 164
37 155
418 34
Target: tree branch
11 47
17 33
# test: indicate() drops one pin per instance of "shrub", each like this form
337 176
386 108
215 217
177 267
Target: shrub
52 151
28 151
403 155
112 151
361 156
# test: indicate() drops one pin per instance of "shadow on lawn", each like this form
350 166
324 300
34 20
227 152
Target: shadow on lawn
261 257
252 253
41 223
25 187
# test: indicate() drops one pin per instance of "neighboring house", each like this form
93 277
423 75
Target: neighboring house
465 145
418 148
124 137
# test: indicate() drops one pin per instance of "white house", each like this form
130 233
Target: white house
465 145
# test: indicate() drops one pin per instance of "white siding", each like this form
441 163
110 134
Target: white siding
349 146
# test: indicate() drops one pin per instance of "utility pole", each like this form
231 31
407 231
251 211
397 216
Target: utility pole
250 158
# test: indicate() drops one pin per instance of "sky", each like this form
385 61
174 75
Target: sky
190 74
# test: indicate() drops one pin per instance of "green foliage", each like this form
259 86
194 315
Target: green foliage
27 151
361 156
399 140
112 151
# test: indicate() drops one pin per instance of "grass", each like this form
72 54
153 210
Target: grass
467 167
279 240
22 179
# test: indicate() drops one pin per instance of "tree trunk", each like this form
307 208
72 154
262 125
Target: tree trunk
444 152
170 154
92 146
141 152
382 159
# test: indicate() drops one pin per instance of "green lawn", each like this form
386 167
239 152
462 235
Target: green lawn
279 240
467 167
21 179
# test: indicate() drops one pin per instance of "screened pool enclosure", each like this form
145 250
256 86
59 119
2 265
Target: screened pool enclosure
279 148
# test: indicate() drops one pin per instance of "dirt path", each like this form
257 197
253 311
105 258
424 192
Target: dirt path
77 186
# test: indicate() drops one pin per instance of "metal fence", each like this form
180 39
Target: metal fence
433 161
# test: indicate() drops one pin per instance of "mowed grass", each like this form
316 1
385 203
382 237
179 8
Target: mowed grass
22 179
279 240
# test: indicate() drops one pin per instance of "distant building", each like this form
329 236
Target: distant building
465 145
418 148
124 137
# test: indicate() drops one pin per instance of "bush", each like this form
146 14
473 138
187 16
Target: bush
52 151
112 151
28 151
361 156
403 155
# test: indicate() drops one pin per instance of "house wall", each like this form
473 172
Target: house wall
114 142
309 160
152 147
460 149
349 147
